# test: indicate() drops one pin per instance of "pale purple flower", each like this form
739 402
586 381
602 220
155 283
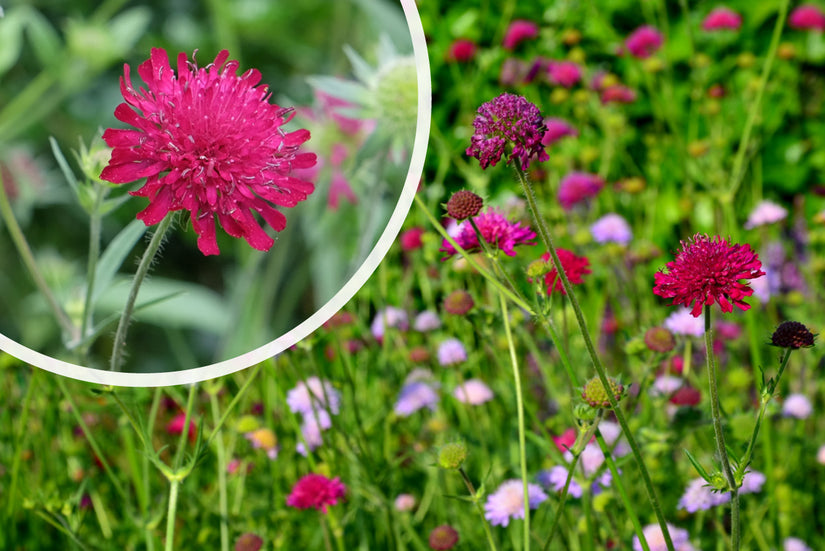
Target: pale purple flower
555 478
451 352
752 482
389 317
508 501
762 285
313 394
764 213
473 392
426 321
682 322
611 228
699 496
564 73
414 396
795 544
665 385
797 406
312 427
656 540
611 431
556 130
404 502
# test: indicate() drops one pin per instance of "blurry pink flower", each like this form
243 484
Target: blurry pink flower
338 185
316 491
330 108
722 18
566 440
807 17
519 31
644 41
208 141
564 73
461 50
175 426
556 130
264 439
575 187
618 93
513 71
764 213
411 239
473 392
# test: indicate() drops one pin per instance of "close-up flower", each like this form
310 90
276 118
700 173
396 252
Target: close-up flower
511 125
708 271
315 491
575 267
507 502
209 142
498 232
699 496
556 477
792 334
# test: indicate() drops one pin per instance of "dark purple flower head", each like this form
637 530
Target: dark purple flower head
497 231
508 120
709 270
208 141
575 187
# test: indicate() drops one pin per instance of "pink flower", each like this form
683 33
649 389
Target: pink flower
618 93
722 18
497 231
643 42
556 130
316 491
707 271
338 185
575 187
807 17
461 50
519 31
574 267
209 142
411 239
175 426
564 73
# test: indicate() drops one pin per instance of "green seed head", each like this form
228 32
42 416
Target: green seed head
452 455
595 394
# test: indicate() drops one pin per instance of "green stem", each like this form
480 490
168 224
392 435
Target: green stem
20 441
143 269
477 502
31 265
562 501
594 357
220 452
716 415
235 400
184 435
737 173
522 448
174 484
91 266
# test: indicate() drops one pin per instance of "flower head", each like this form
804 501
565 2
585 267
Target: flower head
575 187
411 239
618 93
556 130
574 267
209 142
473 392
555 479
807 17
508 501
389 317
564 73
508 120
451 352
314 424
443 537
426 321
797 406
249 542
464 204
611 228
656 540
497 231
459 302
415 395
766 212
792 334
461 50
265 439
644 41
175 426
313 394
518 31
707 271
722 18
699 496
404 502
316 491
681 322
795 544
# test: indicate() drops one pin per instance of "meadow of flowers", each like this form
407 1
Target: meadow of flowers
597 328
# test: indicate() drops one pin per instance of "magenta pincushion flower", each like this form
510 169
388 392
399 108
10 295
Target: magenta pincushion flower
644 41
508 501
518 31
575 187
209 142
508 120
807 17
564 73
709 270
316 491
556 130
722 18
497 231
574 267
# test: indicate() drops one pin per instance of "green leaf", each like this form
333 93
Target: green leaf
699 469
114 255
71 179
127 27
11 38
363 71
44 38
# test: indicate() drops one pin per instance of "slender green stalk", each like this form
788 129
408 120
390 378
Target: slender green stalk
721 449
235 400
174 484
184 434
143 269
738 171
31 265
562 501
20 440
220 452
522 448
594 357
477 502
91 266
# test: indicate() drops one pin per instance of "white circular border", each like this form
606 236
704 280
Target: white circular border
422 133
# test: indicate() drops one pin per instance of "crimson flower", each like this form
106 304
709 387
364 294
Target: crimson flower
498 232
316 491
209 142
644 42
709 270
574 267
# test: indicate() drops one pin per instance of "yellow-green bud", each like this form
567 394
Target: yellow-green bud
452 455
595 394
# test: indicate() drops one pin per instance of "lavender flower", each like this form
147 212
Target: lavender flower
426 321
555 478
795 544
766 212
508 501
682 322
752 482
665 385
611 228
414 396
656 541
389 317
797 406
508 120
699 496
451 352
473 392
312 427
404 502
313 394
